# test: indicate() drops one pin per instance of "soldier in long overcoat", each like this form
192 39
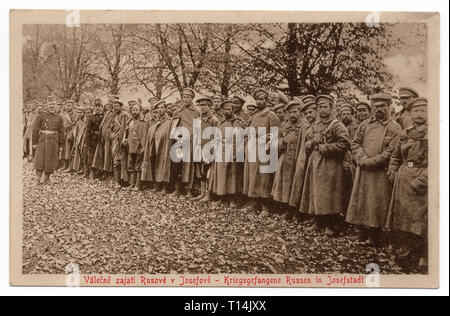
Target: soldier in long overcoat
288 142
323 191
185 171
228 171
69 119
118 150
202 169
408 169
92 137
47 140
258 185
309 111
156 165
372 149
102 160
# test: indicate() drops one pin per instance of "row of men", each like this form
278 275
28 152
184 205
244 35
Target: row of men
371 169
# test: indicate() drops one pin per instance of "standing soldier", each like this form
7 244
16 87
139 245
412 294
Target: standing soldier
156 165
323 192
372 148
103 156
93 136
287 142
404 116
47 139
117 127
309 111
134 140
228 181
257 185
71 138
408 168
185 118
363 111
79 144
69 118
28 150
208 119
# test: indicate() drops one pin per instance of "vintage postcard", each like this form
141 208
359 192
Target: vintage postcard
224 149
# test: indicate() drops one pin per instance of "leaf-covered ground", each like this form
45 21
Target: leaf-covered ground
105 230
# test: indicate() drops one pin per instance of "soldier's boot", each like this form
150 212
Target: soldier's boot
116 171
159 187
233 203
202 192
46 178
253 205
92 174
374 238
207 198
86 171
132 180
69 169
38 177
137 187
190 194
152 186
165 189
265 209
178 190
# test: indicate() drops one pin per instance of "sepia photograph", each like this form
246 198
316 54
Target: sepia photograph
222 149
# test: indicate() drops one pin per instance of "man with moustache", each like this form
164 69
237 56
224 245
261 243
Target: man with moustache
257 185
372 149
363 111
208 119
408 170
93 136
185 118
323 192
47 141
156 165
309 111
134 140
228 181
287 142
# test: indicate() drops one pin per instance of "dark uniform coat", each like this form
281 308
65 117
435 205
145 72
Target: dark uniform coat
92 136
48 135
372 148
408 210
257 184
288 141
324 183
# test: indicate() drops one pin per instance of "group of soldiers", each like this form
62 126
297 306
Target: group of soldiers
340 164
